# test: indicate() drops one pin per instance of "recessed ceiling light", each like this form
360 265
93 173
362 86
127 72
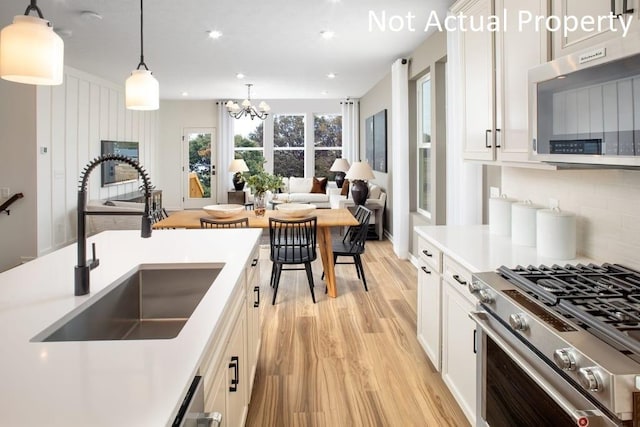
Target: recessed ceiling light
327 34
324 92
63 32
89 14
215 34
240 76
331 75
562 76
185 93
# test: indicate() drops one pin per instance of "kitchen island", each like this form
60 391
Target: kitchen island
111 383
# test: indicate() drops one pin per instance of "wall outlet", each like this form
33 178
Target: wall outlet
4 192
553 203
494 191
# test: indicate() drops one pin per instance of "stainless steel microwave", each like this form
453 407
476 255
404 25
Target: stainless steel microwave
584 108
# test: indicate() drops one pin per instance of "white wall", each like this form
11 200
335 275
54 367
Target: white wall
607 203
72 119
175 116
18 172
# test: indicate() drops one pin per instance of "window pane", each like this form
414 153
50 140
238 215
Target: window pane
424 179
288 131
426 111
288 163
248 133
324 160
199 165
253 158
327 130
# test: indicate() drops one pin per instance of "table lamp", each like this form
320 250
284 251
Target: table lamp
238 166
340 167
358 174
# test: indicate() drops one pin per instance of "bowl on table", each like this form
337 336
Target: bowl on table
295 210
223 211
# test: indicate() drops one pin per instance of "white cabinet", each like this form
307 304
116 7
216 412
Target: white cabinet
254 315
237 375
580 39
459 337
495 80
429 300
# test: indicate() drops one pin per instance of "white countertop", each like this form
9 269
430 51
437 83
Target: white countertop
478 250
107 383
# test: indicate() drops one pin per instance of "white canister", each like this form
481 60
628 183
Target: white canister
556 234
523 223
500 215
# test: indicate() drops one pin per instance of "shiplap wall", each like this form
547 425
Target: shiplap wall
72 119
606 202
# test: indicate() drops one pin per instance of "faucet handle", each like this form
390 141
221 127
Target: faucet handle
94 261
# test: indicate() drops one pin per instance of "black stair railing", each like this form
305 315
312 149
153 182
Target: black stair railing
5 206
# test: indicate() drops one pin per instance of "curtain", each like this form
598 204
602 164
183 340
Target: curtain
224 150
350 129
400 162
464 179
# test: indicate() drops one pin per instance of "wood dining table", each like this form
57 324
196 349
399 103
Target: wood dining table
327 218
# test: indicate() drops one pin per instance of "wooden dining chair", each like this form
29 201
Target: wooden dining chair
292 242
352 244
220 223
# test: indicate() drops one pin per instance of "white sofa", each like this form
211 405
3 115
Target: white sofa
298 190
376 201
99 223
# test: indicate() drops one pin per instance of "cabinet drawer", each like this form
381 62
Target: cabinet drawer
458 277
430 254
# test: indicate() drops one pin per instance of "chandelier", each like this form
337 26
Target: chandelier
246 109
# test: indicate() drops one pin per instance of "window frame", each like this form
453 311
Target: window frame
423 145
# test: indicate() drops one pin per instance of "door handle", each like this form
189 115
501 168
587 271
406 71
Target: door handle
423 268
498 135
256 303
459 280
486 138
235 365
254 262
427 253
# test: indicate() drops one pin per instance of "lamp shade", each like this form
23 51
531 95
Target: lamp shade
30 52
238 165
340 165
142 91
360 170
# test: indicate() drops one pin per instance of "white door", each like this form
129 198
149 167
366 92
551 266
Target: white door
199 167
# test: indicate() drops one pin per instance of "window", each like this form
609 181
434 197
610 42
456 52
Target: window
288 144
424 146
249 142
327 135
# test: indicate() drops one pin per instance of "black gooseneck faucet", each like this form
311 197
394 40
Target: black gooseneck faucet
81 284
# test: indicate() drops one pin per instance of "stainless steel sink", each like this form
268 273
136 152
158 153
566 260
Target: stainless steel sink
152 303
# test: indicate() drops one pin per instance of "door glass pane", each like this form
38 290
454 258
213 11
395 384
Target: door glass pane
199 165
288 163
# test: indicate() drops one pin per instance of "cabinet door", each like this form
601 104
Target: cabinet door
478 85
216 399
458 349
516 53
580 39
429 313
237 374
254 324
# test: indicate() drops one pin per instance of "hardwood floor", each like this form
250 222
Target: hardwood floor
349 361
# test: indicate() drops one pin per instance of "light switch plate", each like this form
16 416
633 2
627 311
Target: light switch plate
494 191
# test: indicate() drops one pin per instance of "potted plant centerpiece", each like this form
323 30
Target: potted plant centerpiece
259 184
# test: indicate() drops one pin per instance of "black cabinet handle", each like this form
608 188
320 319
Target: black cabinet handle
425 270
254 262
235 365
459 280
475 341
486 138
427 253
498 138
256 303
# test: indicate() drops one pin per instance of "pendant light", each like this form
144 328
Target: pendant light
30 52
141 89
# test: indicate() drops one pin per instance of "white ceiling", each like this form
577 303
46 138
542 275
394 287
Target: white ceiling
275 43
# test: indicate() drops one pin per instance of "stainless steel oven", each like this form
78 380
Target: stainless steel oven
558 346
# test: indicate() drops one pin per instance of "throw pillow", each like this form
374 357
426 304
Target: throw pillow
345 188
319 185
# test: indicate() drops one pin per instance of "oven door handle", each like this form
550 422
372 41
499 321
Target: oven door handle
579 416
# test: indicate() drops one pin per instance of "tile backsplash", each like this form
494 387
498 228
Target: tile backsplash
606 202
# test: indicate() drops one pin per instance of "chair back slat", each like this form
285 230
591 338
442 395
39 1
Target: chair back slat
293 241
356 235
219 223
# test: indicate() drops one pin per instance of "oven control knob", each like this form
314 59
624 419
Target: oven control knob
564 359
518 322
474 287
485 296
589 379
